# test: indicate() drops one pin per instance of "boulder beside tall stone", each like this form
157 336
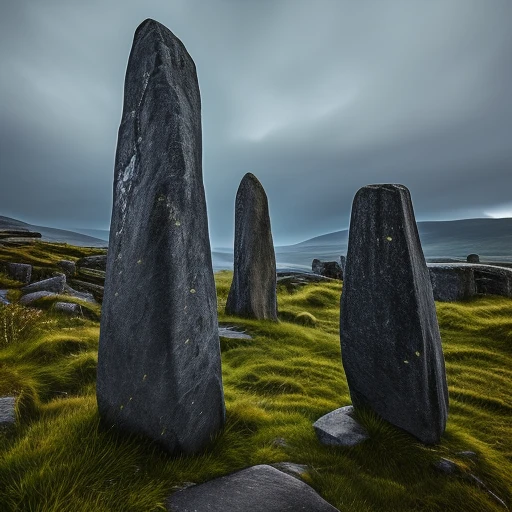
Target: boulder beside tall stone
390 341
253 289
159 372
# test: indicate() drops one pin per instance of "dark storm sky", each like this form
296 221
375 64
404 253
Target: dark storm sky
315 98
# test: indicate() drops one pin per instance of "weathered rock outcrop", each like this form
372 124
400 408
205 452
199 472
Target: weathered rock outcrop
54 284
331 269
19 271
98 262
253 290
461 281
256 489
68 267
159 369
390 341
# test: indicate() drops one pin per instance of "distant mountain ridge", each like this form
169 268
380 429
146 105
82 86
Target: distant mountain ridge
53 234
440 240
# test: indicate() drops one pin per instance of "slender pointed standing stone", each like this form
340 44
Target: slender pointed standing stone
390 341
159 371
253 290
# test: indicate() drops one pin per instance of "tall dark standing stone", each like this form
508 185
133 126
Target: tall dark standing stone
253 290
159 371
390 341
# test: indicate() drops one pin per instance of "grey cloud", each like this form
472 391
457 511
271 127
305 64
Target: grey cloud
316 99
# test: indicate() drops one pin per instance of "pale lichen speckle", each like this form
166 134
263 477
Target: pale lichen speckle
388 238
192 290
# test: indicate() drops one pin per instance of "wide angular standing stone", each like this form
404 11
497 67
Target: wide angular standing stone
253 290
390 341
159 370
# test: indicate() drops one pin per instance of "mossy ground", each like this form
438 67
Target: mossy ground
276 385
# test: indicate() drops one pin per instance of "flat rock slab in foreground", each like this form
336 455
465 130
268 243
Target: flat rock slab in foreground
339 428
390 341
159 371
7 411
255 489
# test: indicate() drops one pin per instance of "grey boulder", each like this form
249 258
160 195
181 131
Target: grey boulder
253 289
19 271
460 281
390 341
159 372
331 269
339 428
68 308
68 267
53 284
255 489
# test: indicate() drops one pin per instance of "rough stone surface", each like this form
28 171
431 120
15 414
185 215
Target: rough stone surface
255 489
473 258
460 281
253 290
68 267
7 411
3 297
390 341
159 372
98 262
53 284
339 428
69 308
331 269
29 298
19 271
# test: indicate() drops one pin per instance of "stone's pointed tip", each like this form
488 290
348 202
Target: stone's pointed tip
250 176
149 25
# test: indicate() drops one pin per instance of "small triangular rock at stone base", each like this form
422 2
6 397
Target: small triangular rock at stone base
339 428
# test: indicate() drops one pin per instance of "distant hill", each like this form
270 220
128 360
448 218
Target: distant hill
440 240
53 234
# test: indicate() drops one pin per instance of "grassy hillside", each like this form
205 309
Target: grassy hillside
276 385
